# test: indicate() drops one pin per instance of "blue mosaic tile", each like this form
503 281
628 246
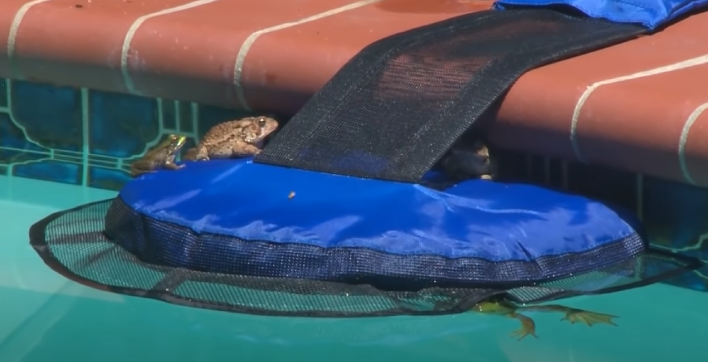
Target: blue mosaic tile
178 117
121 125
56 171
676 217
696 280
169 114
50 115
13 136
185 113
601 183
106 178
13 158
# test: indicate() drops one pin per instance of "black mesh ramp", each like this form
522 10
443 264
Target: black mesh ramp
395 109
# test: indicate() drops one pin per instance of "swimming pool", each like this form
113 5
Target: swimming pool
45 317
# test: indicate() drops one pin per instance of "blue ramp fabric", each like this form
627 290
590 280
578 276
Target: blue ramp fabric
239 217
650 13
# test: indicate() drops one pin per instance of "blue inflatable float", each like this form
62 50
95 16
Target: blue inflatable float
239 217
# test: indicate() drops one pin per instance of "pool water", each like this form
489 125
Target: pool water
45 317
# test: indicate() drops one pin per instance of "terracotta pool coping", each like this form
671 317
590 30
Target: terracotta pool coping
638 106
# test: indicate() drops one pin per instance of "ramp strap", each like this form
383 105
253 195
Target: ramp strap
395 109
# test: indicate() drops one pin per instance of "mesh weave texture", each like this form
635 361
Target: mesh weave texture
395 109
74 244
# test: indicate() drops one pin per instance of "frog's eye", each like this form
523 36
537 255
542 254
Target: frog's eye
261 121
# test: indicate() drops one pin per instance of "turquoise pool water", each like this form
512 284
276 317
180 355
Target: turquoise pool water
46 318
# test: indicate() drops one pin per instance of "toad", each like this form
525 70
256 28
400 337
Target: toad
161 156
468 161
233 139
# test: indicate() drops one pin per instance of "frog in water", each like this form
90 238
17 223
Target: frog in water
510 309
233 139
161 156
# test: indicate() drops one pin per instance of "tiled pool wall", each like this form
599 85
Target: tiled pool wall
88 138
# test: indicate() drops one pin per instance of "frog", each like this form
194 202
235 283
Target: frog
161 156
469 160
507 308
233 139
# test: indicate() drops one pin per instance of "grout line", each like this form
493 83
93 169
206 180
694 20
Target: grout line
639 185
125 50
12 36
178 117
85 118
547 170
564 174
248 43
646 73
684 138
529 166
195 120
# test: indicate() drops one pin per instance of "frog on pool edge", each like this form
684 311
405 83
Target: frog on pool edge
162 156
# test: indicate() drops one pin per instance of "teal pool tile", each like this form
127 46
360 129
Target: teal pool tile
120 125
50 115
676 216
169 115
695 280
11 158
107 178
13 137
186 117
49 170
604 184
4 93
510 166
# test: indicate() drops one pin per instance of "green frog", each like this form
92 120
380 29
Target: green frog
161 156
503 307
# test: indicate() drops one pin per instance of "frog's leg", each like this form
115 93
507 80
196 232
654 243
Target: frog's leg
172 166
190 154
247 149
573 315
527 326
140 167
201 154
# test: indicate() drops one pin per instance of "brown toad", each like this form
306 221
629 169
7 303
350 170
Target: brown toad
468 161
233 139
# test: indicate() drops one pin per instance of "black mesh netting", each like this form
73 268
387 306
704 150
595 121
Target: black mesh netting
395 109
73 243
